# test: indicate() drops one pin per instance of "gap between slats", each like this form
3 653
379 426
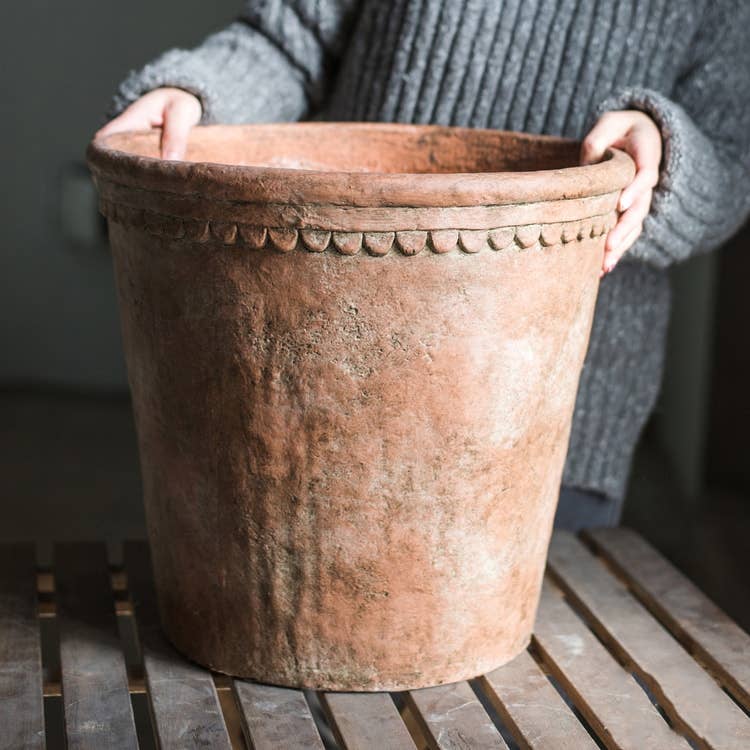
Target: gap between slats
230 711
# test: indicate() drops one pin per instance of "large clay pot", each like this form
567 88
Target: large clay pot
353 351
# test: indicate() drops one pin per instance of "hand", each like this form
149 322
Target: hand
173 110
638 135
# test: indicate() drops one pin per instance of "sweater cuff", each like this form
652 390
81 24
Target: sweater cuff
689 209
237 74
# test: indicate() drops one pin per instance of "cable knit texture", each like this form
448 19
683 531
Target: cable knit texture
541 66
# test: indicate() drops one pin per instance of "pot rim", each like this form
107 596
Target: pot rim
247 183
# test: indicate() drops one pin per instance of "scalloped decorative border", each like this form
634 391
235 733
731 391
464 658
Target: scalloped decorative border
378 244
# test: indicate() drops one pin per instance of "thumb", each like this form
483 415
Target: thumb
180 115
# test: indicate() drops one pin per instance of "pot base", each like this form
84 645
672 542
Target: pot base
347 682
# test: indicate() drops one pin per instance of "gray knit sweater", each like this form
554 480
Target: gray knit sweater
542 66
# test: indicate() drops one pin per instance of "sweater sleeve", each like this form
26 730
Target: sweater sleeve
703 195
272 64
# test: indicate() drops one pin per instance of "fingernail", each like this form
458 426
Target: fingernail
625 202
171 155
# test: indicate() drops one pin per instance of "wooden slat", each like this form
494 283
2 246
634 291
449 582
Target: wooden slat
21 700
275 717
452 717
184 703
366 721
532 709
96 702
609 698
693 618
689 696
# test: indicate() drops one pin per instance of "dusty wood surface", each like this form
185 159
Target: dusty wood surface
21 704
451 717
366 721
96 700
686 692
533 710
605 693
184 703
275 717
690 615
598 621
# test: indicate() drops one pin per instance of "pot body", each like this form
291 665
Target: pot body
352 432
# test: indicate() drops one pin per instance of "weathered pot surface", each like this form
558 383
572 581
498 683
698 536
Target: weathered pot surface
353 351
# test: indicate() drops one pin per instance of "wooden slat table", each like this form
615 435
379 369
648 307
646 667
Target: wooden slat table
627 653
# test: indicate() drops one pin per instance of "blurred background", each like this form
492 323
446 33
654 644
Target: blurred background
68 458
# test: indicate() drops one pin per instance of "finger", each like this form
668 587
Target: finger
129 120
612 258
609 128
644 145
143 114
627 231
179 118
644 182
646 140
631 218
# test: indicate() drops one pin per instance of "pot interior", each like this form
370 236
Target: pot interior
365 147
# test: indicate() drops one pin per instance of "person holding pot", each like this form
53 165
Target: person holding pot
669 83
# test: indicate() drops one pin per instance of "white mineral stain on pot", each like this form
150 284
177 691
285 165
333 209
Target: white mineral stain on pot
507 415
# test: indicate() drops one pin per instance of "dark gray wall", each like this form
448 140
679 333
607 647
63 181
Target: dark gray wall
61 61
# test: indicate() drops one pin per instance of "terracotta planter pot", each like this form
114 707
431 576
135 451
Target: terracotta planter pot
353 372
